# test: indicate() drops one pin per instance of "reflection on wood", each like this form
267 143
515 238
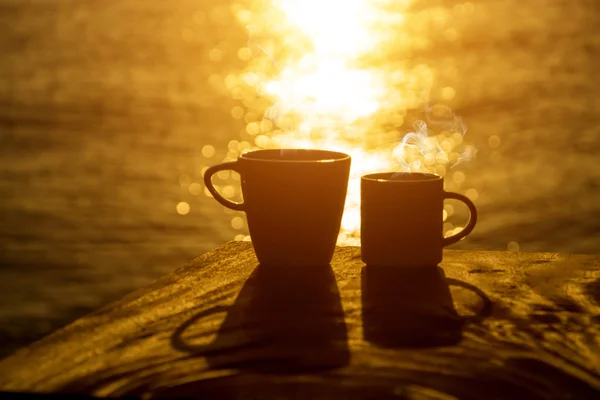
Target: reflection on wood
484 325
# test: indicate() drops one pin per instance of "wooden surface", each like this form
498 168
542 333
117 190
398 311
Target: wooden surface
487 325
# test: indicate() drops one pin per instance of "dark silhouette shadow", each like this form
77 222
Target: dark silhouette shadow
412 307
285 319
592 290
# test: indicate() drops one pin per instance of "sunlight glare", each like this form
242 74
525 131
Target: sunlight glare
333 75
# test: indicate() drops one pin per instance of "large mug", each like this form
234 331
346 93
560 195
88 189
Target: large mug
401 219
293 200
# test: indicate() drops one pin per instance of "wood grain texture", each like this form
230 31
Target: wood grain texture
488 325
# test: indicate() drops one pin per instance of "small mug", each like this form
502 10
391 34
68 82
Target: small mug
401 219
293 200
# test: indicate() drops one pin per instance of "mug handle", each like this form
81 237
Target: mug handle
472 218
232 165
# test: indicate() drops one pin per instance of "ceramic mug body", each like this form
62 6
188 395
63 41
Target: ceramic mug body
293 200
401 219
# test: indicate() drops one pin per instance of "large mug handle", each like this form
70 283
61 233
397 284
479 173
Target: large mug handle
232 165
472 218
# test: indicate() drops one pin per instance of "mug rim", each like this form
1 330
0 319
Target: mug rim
329 156
384 177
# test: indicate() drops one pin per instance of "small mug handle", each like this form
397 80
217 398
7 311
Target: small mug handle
232 165
472 218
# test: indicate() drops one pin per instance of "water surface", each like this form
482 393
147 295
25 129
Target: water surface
105 108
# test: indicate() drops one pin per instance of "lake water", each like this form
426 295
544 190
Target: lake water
105 108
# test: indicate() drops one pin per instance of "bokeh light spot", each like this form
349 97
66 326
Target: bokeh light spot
215 55
245 146
184 180
494 141
224 174
458 177
451 35
244 54
195 189
228 191
250 117
512 246
183 208
469 8
262 141
237 112
199 17
457 138
266 126
448 93
237 222
495 157
216 81
472 194
218 14
188 35
244 16
448 228
208 151
233 145
397 120
253 128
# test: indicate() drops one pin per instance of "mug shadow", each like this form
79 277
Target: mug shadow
413 307
285 319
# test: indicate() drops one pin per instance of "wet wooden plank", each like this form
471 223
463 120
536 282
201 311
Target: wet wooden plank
484 325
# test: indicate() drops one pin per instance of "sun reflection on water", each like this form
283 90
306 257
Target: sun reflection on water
327 74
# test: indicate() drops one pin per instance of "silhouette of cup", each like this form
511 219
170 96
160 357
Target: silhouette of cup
293 199
401 219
